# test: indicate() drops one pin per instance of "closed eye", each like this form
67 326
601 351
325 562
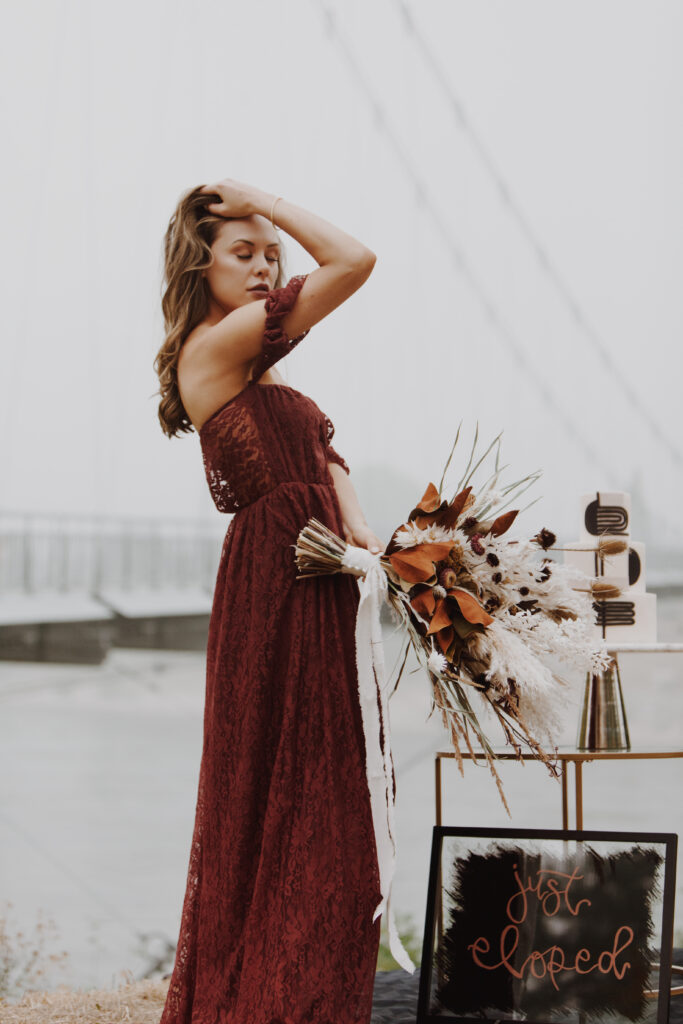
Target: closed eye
273 259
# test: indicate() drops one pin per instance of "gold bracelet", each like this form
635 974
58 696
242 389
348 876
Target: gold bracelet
272 208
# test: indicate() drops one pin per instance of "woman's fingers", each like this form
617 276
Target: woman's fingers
375 544
237 198
365 538
213 190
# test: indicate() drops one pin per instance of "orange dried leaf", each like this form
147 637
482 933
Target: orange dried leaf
428 506
416 564
393 544
458 503
444 638
423 521
411 567
424 603
470 607
430 499
448 518
438 550
503 522
463 628
440 619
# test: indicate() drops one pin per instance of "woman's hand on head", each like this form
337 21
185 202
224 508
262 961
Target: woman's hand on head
361 536
237 198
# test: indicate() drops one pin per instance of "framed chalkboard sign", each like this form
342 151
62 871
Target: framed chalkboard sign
549 927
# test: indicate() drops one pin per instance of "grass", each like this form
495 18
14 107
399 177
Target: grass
24 963
23 960
138 1001
410 938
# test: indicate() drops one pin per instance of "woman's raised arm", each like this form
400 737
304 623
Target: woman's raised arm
344 264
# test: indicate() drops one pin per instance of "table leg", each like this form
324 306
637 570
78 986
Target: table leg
437 785
439 913
439 893
578 769
565 798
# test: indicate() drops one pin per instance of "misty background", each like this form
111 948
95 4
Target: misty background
518 170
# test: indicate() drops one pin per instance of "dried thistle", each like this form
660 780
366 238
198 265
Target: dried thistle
599 590
544 538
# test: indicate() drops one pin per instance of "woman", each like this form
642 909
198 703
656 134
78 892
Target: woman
283 876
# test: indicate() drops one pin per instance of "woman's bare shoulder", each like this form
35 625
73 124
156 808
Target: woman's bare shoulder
199 354
203 380
195 335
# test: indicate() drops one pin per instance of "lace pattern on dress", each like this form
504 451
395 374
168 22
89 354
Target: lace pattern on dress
276 343
237 431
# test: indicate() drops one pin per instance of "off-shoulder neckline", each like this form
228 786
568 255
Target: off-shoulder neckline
250 384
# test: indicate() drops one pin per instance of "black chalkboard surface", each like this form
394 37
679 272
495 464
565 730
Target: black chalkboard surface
549 927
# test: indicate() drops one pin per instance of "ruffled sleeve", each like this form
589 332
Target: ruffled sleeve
332 455
276 343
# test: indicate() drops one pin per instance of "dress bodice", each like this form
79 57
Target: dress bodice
267 434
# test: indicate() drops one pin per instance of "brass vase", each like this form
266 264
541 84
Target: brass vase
603 724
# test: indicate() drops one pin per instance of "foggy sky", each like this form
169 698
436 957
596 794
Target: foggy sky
113 110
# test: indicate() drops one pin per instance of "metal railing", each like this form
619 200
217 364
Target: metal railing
67 553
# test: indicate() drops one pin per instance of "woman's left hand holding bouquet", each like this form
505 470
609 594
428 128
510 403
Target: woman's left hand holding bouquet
361 536
356 530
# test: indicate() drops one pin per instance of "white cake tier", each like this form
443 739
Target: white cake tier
611 569
631 618
605 512
625 570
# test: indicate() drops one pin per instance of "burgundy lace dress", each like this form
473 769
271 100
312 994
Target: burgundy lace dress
283 879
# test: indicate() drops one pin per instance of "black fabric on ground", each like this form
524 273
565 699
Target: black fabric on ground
394 999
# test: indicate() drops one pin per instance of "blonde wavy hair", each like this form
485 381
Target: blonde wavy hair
191 232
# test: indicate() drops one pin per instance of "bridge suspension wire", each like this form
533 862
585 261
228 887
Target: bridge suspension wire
432 209
18 355
546 263
457 254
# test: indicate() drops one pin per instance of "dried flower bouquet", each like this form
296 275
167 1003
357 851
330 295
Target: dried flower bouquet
481 611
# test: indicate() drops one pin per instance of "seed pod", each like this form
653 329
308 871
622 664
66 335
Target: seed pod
448 578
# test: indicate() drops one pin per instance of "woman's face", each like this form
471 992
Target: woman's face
245 254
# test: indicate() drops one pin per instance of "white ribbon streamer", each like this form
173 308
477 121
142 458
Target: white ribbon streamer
371 684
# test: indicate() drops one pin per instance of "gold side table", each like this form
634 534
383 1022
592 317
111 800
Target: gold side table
566 756
580 754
